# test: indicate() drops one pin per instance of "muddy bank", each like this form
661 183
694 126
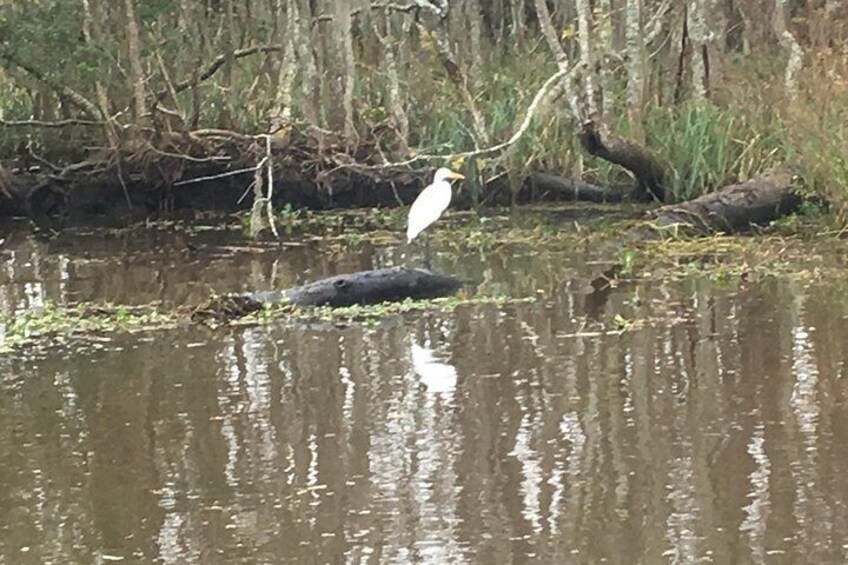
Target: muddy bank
214 170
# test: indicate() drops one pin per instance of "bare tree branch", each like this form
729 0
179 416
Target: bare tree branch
528 118
393 6
43 124
75 97
213 67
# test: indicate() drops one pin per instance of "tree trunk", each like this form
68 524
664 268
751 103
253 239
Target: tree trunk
735 208
281 112
134 53
517 11
650 172
606 48
302 15
549 32
587 58
543 185
635 48
458 77
344 51
88 32
790 43
395 103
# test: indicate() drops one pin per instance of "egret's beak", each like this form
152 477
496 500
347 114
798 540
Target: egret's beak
454 175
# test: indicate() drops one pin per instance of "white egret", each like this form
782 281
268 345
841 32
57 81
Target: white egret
431 203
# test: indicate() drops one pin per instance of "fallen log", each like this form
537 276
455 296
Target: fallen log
211 170
392 284
734 208
543 186
651 173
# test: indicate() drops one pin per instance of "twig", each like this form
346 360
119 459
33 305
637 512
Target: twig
256 226
250 186
214 177
394 6
43 161
75 97
397 196
169 84
654 26
221 133
123 183
213 67
42 124
213 159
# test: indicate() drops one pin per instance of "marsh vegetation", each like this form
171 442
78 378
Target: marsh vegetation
157 96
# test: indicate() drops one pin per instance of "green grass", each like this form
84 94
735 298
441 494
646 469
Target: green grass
707 147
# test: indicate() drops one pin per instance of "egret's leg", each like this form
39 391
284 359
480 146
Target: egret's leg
427 252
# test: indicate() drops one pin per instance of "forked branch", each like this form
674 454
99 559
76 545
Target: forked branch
528 118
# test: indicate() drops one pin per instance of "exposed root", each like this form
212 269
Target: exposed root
223 309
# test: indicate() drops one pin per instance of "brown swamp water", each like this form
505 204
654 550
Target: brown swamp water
716 432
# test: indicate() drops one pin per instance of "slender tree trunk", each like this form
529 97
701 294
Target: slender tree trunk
102 97
395 103
517 10
458 77
281 111
635 49
228 40
587 58
344 47
550 33
606 48
697 27
790 43
134 52
474 16
185 18
302 16
548 30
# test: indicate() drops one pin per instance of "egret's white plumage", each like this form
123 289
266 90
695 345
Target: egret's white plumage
431 203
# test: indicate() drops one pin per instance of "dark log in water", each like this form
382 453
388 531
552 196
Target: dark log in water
392 284
551 187
650 172
735 208
372 287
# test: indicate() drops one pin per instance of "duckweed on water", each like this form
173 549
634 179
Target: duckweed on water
53 324
730 259
58 325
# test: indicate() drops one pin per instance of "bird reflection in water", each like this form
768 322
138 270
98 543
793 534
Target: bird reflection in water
437 376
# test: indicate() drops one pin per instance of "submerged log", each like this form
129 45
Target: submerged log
735 208
650 172
392 284
543 184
